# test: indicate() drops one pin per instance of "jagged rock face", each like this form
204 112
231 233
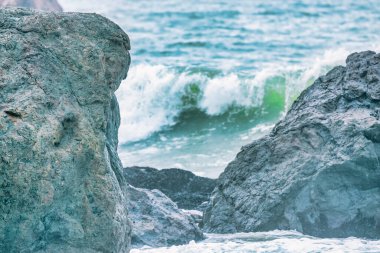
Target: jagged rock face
318 171
157 221
45 5
61 184
187 190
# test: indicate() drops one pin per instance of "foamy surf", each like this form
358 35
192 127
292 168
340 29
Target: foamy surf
270 242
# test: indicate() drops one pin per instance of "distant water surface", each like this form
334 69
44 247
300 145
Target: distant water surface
209 76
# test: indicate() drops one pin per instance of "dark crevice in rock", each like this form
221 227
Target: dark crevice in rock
13 113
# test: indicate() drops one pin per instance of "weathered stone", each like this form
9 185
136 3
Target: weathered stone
187 190
45 5
157 221
195 215
61 183
318 171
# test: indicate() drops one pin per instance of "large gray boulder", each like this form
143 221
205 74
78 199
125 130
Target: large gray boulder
61 183
318 171
45 5
157 221
187 190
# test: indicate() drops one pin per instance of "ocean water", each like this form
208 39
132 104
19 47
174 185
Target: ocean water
270 242
209 76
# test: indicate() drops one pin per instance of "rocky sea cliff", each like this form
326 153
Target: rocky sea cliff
318 170
61 182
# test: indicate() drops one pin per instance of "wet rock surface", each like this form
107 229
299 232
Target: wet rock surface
61 183
45 5
157 221
318 171
183 187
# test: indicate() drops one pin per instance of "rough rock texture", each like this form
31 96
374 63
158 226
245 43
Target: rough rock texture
195 215
183 187
61 183
157 221
45 5
318 171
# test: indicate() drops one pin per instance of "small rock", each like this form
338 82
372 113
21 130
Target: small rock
157 221
183 187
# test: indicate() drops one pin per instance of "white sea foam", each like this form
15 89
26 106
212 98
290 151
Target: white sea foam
151 97
192 212
270 242
221 93
313 69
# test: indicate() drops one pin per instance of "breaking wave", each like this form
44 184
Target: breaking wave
155 97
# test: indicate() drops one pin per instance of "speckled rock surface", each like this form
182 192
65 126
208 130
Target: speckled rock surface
157 221
61 183
45 5
187 190
318 171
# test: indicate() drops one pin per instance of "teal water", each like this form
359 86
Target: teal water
209 76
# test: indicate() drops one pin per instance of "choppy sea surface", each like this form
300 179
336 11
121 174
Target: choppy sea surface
270 242
208 76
